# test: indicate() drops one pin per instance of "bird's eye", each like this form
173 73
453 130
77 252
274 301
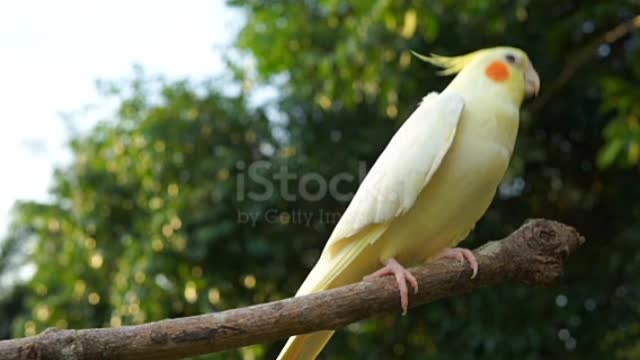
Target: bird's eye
511 58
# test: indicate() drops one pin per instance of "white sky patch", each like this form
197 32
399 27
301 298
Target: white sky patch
51 53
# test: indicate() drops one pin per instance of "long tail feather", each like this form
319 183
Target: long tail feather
330 272
305 346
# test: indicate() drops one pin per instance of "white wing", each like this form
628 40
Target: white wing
405 166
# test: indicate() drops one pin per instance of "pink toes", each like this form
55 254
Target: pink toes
461 254
403 276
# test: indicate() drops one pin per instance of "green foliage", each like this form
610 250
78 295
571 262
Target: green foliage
621 97
146 222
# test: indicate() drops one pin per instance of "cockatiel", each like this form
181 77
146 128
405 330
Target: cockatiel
431 184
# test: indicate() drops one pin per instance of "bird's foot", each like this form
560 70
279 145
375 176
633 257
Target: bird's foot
403 276
461 255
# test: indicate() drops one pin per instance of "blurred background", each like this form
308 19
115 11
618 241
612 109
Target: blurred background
128 129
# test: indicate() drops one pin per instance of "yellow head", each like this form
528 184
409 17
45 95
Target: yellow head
507 67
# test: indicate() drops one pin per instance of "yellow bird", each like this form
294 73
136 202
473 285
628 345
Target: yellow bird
432 183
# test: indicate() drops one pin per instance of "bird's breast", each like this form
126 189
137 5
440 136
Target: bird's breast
460 191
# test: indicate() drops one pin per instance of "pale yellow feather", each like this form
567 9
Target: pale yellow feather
451 65
430 189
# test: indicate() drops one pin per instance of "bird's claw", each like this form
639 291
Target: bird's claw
461 255
403 276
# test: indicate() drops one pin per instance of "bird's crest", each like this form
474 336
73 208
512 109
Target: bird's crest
450 65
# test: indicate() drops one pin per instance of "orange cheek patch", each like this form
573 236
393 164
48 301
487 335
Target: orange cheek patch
498 71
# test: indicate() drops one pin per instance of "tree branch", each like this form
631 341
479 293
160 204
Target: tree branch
533 255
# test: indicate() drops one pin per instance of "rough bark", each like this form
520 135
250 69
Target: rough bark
532 255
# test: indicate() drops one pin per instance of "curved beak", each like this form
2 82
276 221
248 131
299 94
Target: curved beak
531 81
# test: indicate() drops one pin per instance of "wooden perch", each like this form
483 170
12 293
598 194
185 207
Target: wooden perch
533 255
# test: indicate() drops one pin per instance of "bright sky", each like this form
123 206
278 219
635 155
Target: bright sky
51 53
